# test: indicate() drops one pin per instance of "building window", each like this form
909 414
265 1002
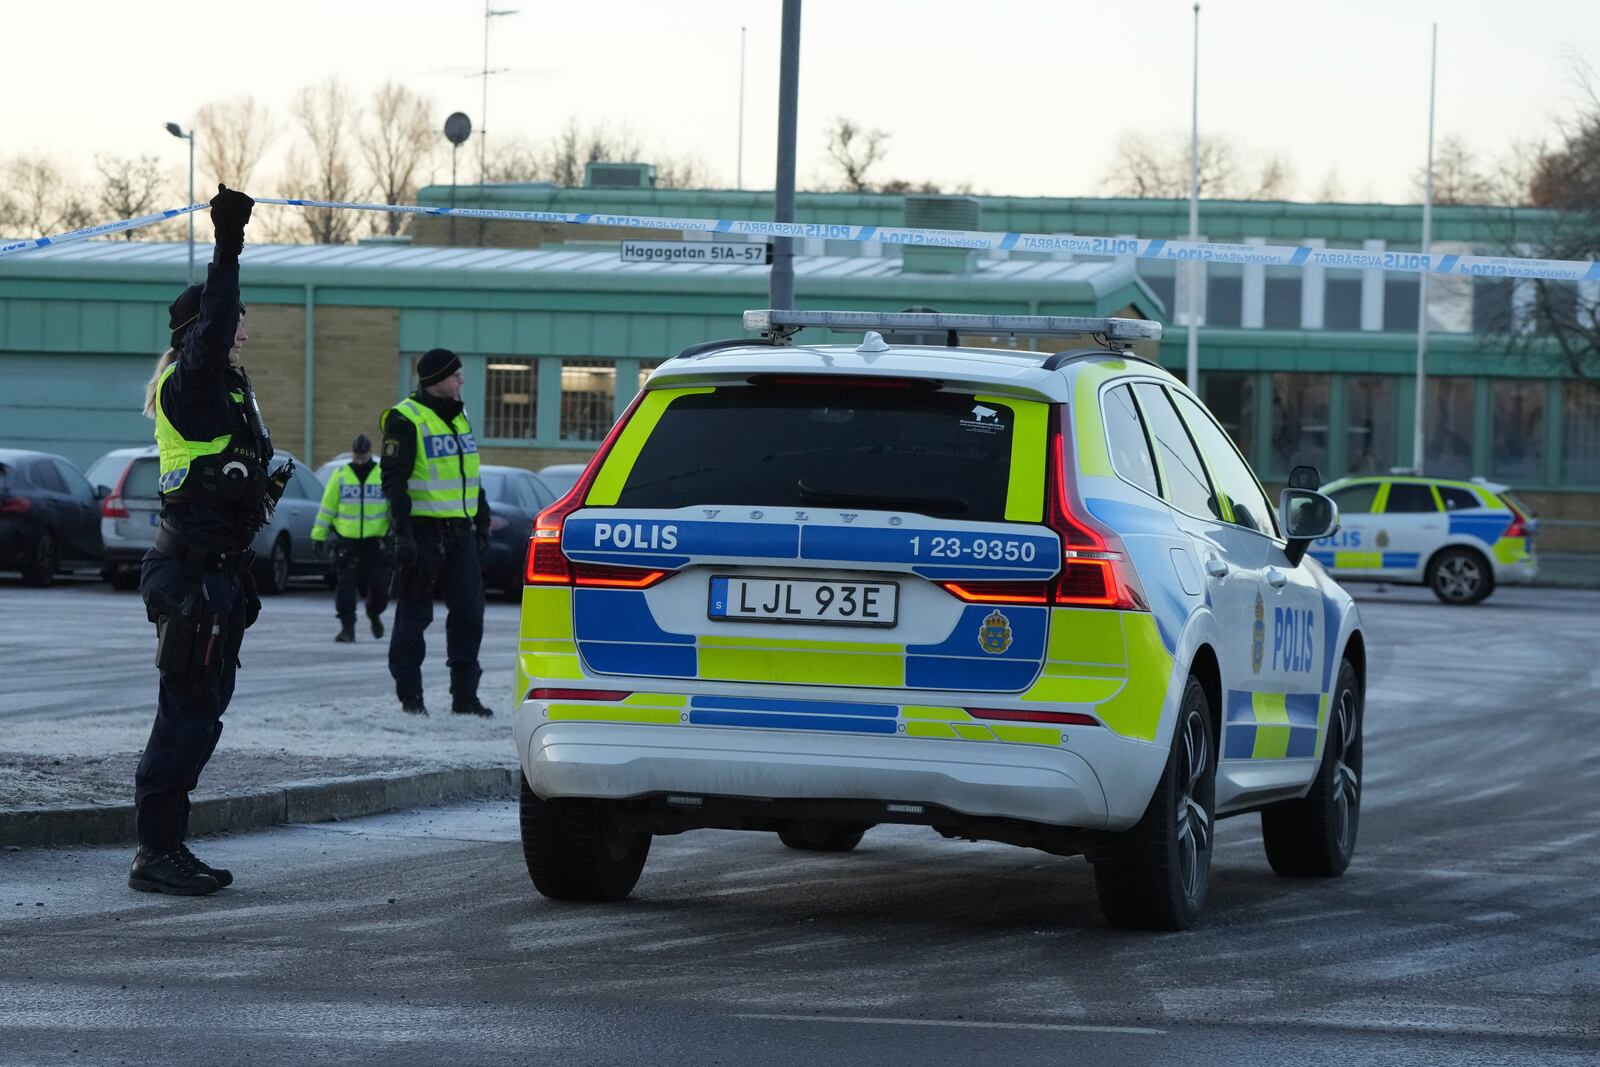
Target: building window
1166 290
511 399
1491 305
1341 304
1224 297
1400 304
1518 453
1580 434
1299 422
1372 412
1282 307
1448 451
1232 399
588 398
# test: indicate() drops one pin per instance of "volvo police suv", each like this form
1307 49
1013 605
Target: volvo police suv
1018 596
1460 539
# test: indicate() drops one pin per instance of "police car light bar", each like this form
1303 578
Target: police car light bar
778 324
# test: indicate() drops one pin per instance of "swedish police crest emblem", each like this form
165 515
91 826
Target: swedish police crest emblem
995 634
1258 637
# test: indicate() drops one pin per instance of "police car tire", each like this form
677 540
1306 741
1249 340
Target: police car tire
1303 837
575 850
811 836
40 570
1436 564
1138 873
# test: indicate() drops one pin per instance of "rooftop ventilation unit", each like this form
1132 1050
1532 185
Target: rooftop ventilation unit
619 176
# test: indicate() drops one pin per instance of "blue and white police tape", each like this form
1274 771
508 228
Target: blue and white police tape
100 230
1134 247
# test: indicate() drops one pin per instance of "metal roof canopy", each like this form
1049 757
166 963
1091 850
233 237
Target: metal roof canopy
778 325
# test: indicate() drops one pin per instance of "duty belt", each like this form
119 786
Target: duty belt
199 554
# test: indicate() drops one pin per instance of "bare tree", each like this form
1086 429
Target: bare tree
1331 191
319 166
37 199
1459 175
682 172
132 186
396 141
1145 167
854 151
231 138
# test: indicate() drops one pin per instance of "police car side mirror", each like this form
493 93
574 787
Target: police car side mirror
1305 515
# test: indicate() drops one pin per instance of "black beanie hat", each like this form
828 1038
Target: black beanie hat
182 313
436 365
361 444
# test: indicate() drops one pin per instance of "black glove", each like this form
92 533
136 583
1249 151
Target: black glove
405 550
483 540
321 549
230 213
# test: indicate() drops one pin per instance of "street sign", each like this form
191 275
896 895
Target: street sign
736 253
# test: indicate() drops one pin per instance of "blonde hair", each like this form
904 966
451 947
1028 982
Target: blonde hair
165 360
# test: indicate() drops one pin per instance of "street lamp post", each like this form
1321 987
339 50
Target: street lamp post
177 131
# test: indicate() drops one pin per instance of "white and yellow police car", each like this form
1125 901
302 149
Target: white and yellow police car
1027 597
1460 539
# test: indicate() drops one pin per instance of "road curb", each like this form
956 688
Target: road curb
339 798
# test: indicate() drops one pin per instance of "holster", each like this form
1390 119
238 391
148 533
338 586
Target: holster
191 636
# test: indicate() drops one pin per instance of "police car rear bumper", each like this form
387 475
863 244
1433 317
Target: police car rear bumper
618 761
1518 573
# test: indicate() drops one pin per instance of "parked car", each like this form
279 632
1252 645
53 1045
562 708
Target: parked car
561 476
1460 539
515 497
47 516
130 514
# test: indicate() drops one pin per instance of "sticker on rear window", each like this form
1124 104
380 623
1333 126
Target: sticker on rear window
983 420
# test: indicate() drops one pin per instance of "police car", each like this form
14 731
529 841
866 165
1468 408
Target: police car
1460 539
1034 598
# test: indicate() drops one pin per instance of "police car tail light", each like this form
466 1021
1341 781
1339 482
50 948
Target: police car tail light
547 564
1095 571
999 592
113 507
578 694
1064 718
1519 522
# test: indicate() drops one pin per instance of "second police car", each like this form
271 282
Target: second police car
1017 596
1460 539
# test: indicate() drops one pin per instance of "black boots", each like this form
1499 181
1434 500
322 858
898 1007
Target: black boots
223 876
413 705
470 706
347 633
174 871
377 624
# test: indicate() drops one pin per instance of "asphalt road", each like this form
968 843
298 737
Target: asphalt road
1466 932
90 650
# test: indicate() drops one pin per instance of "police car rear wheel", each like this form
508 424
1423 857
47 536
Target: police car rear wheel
577 850
810 836
1315 837
1156 875
1460 576
41 569
272 576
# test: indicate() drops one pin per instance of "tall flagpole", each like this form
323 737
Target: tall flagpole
1193 265
740 166
1421 408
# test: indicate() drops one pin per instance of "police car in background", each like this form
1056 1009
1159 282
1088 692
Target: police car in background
1460 539
1018 596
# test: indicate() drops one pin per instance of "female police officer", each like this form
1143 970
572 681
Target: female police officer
215 494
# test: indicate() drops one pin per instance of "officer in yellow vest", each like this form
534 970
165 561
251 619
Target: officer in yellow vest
216 492
441 525
353 521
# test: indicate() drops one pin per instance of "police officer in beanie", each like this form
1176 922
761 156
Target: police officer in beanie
216 492
353 522
440 519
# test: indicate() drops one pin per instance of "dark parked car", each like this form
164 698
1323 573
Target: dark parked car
516 496
49 516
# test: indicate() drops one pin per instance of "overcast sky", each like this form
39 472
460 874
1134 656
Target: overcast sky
1014 96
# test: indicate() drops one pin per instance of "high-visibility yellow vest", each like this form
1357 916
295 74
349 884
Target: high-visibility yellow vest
443 483
179 454
355 509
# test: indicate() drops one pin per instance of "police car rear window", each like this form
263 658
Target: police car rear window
932 453
144 480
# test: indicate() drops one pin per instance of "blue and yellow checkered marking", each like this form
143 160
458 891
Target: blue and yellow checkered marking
1262 725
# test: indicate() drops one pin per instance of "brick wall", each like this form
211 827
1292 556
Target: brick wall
356 369
275 358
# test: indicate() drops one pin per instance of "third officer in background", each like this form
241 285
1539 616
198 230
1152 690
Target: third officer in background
441 524
357 514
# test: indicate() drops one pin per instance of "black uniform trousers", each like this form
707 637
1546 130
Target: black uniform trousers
358 560
188 721
447 560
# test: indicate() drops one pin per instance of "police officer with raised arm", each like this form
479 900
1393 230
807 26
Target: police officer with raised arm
216 492
441 525
352 522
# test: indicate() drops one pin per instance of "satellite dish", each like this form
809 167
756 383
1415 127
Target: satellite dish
457 128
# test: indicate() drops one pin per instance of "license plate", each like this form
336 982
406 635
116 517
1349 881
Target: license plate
803 600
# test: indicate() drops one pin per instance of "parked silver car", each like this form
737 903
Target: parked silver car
128 519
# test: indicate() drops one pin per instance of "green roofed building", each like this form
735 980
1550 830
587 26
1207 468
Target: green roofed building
556 332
